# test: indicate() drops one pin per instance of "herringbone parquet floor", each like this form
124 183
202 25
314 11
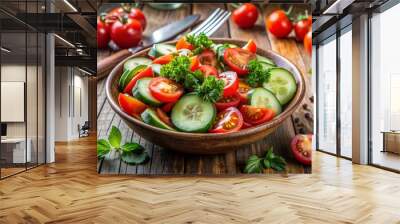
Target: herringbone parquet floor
70 191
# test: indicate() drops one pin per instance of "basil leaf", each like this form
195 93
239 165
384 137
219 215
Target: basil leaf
115 137
253 165
134 158
267 163
132 147
103 147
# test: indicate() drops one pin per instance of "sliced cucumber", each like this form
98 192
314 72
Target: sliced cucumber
127 76
264 59
282 84
134 62
142 92
149 116
267 66
219 50
192 114
161 49
261 97
156 68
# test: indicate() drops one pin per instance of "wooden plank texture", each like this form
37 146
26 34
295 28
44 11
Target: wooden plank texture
167 162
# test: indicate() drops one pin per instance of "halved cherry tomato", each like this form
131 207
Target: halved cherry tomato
167 107
164 117
165 90
237 59
163 59
208 70
251 46
243 91
207 57
183 44
194 63
246 125
301 148
148 72
256 115
228 120
229 101
131 105
231 83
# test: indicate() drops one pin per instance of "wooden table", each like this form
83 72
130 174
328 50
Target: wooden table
167 162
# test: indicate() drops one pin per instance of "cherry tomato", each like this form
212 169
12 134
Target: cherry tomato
131 105
132 12
231 83
163 59
243 91
165 90
245 16
301 146
308 42
279 24
194 63
228 120
251 46
229 101
302 27
167 107
208 70
183 44
256 115
207 57
164 117
246 125
126 33
103 32
148 72
237 59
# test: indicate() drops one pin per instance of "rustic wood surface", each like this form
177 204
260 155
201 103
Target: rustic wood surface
70 191
167 162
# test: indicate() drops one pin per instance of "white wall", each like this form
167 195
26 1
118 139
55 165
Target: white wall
70 81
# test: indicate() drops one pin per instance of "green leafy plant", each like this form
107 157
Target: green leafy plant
130 152
255 164
199 42
211 89
257 73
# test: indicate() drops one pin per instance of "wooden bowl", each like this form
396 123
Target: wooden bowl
206 143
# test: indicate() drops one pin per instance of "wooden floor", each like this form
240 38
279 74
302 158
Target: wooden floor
70 191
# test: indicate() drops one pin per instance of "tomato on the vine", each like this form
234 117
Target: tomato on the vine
302 27
165 90
301 146
228 120
279 24
126 32
237 59
103 32
245 16
256 115
131 12
231 83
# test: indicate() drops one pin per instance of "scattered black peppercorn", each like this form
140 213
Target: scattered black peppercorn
296 120
307 115
312 99
302 131
305 106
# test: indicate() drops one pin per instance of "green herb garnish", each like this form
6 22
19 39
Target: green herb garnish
199 42
256 164
131 153
211 89
257 73
176 69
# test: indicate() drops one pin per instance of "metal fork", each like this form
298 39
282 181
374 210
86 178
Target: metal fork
212 23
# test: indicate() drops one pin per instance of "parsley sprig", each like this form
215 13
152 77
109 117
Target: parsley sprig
131 153
199 42
256 164
257 73
211 89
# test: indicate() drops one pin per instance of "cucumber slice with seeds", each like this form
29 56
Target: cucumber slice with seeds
282 84
161 49
134 62
149 116
192 114
262 97
141 91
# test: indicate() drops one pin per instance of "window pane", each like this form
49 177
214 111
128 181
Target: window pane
346 93
327 96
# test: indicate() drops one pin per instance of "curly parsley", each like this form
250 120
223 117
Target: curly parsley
211 89
257 73
176 69
200 42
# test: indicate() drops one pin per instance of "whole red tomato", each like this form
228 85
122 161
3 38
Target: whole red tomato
245 16
279 24
132 12
126 32
308 42
103 32
302 27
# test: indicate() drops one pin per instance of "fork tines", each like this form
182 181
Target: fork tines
212 23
